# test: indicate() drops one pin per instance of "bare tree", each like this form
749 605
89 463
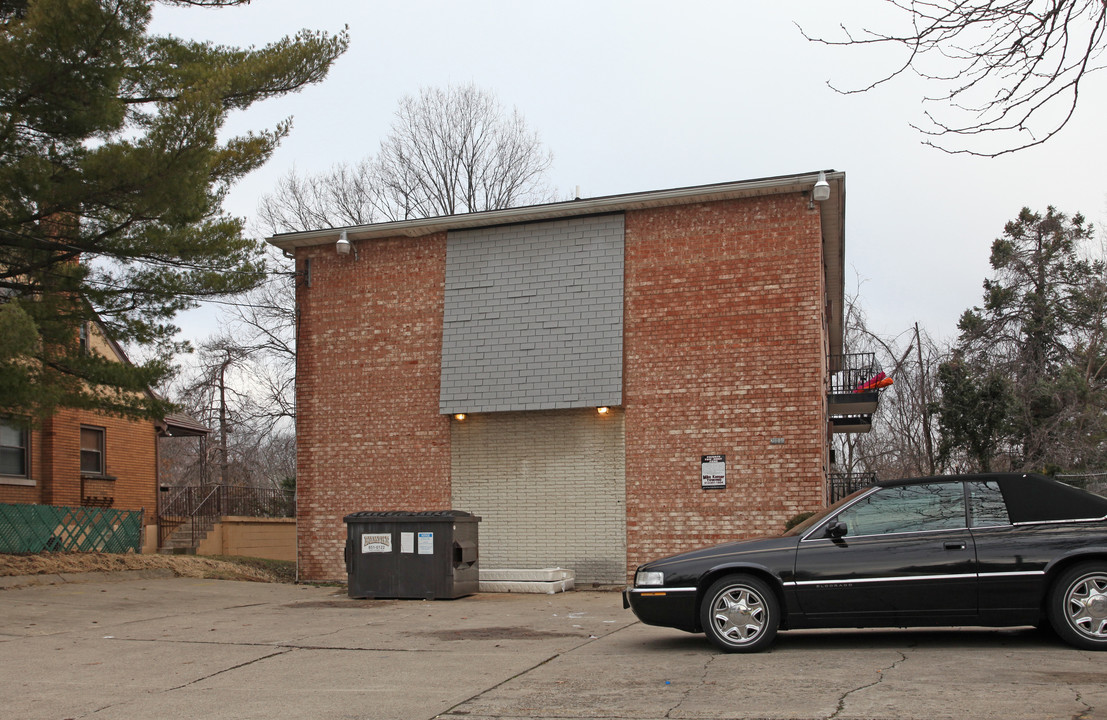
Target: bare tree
1011 70
210 396
346 195
904 426
449 151
263 327
227 391
903 436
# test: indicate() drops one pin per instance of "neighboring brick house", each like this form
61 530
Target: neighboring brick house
572 372
81 458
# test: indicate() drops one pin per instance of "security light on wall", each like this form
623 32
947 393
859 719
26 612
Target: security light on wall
821 191
343 245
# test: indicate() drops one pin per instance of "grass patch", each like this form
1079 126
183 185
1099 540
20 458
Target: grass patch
283 571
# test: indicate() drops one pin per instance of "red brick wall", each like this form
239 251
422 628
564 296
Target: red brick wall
129 453
369 434
724 350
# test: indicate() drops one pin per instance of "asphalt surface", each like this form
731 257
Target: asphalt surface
182 648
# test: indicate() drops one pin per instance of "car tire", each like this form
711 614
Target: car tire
1077 606
740 614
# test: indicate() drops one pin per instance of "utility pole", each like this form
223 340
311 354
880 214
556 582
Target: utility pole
224 463
925 404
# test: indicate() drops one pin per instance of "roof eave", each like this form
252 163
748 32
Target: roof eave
570 208
832 212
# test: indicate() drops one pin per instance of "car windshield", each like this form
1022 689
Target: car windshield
821 515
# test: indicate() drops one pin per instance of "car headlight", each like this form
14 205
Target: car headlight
653 578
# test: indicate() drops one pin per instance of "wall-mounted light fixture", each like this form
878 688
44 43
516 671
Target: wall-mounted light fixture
603 410
344 246
821 191
460 417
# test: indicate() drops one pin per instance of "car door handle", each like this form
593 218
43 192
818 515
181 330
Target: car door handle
954 545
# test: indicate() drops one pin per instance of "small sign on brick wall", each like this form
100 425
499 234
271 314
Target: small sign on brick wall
713 472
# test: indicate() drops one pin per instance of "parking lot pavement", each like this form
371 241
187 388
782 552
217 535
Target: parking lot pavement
220 649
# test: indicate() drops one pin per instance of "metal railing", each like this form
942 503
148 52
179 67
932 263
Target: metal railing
197 508
1092 482
839 485
849 373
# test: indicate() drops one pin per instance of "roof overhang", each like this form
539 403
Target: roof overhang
832 214
182 425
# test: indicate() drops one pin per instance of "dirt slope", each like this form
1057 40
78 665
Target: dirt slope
223 568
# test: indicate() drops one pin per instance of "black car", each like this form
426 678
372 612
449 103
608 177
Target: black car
994 550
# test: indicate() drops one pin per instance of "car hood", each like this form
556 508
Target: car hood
765 552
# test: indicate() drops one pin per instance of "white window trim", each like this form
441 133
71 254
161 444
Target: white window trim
25 480
103 450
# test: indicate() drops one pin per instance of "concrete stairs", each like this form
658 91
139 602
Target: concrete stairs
181 543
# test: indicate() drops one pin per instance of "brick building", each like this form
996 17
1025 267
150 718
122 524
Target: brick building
83 458
603 380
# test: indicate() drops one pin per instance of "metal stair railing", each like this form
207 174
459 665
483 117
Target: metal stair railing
199 507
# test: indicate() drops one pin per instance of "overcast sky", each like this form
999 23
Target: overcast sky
638 96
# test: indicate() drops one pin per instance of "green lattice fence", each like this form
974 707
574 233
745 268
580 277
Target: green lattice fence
35 528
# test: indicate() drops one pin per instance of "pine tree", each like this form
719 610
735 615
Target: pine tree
1038 340
112 177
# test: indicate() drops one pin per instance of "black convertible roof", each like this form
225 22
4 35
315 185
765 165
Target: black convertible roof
1030 497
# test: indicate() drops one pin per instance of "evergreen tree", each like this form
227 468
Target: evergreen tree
973 416
1040 335
112 176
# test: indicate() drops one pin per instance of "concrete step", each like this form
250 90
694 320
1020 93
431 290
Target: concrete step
181 542
176 550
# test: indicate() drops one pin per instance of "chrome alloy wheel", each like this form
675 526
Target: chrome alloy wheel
738 614
1086 605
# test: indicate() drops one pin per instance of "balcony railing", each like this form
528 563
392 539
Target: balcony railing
850 372
855 383
841 484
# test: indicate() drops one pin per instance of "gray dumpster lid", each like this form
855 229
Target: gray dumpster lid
407 516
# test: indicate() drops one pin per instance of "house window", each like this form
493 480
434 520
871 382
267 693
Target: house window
13 449
92 451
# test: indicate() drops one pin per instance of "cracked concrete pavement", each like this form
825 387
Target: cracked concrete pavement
187 648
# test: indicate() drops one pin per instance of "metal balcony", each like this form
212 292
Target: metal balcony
854 392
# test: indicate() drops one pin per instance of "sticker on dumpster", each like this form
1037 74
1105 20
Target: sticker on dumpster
426 543
376 543
407 542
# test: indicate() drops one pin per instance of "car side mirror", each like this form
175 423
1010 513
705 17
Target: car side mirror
836 529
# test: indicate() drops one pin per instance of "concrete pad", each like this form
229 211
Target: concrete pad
222 649
16 581
77 676
331 684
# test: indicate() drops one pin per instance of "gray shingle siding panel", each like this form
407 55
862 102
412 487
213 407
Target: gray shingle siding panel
533 316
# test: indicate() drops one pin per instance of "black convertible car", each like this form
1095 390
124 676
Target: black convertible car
994 550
